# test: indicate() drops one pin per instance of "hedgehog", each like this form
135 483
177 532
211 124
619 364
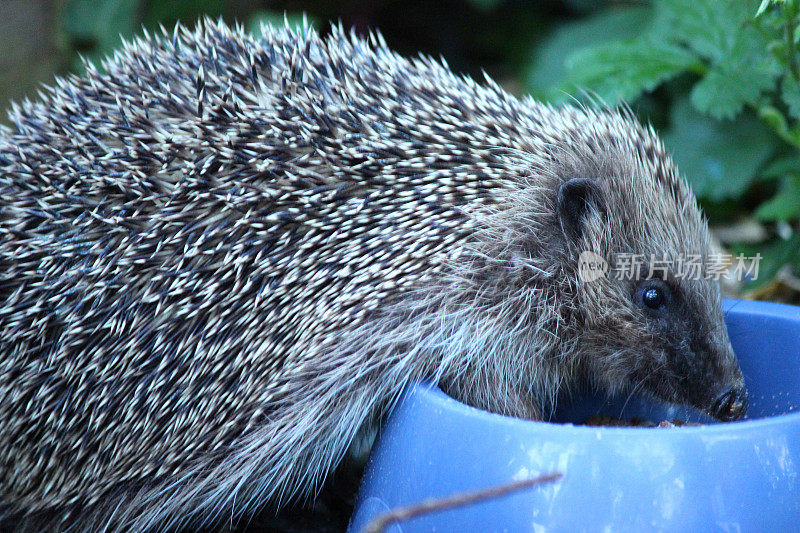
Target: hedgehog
225 256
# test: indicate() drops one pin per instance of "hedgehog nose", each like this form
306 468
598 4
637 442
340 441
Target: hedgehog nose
730 406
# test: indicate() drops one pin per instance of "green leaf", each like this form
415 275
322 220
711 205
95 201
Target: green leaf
722 32
547 67
783 166
102 21
775 120
623 70
709 27
774 256
725 90
791 95
720 158
740 77
784 205
722 93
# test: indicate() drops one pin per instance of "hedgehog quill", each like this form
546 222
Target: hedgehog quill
223 256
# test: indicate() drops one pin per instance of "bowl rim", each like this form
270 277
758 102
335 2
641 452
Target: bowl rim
770 309
433 394
751 307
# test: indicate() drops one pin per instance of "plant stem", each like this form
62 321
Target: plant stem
791 49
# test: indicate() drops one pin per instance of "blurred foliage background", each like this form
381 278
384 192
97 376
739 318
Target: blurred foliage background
720 79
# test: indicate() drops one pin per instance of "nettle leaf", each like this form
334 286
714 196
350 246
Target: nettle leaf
548 64
784 205
725 90
623 70
740 69
709 27
791 95
719 158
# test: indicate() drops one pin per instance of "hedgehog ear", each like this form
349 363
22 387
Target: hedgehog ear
577 197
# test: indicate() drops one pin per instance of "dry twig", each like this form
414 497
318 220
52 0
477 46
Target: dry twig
381 522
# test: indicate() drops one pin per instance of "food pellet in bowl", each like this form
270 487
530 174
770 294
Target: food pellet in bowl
612 421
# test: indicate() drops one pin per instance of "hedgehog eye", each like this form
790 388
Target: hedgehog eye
653 297
653 294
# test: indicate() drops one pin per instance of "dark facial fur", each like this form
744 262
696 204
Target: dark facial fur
678 349
223 256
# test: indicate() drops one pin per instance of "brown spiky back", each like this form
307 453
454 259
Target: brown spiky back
187 236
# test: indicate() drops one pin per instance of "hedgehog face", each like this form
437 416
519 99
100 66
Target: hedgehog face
685 355
647 326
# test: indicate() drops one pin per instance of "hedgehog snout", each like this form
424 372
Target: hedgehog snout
726 396
731 405
730 402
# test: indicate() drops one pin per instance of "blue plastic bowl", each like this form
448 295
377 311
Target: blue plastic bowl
742 476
